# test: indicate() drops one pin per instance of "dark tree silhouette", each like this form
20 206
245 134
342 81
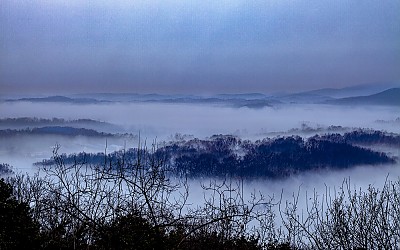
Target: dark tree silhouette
17 228
223 156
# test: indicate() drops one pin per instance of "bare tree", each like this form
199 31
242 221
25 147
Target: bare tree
77 202
347 219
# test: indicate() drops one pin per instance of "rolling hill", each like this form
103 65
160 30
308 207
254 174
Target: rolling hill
390 97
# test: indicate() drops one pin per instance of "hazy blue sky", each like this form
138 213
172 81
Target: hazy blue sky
202 46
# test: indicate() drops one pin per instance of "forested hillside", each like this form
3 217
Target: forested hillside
277 157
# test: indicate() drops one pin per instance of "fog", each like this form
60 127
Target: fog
22 151
155 121
161 120
321 182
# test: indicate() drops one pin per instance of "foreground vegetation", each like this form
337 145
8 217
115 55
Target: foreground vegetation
135 204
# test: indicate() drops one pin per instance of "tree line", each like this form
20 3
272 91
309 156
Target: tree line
135 204
223 155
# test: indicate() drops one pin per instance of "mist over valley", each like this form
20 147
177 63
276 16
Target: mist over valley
30 128
192 125
288 151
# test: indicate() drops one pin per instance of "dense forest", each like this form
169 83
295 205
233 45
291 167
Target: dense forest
278 157
54 130
364 137
5 169
34 122
31 121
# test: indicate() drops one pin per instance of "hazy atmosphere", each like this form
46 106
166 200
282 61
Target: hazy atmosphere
198 47
117 114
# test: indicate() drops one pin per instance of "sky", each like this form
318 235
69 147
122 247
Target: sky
207 46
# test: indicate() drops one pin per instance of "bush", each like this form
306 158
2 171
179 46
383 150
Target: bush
130 232
17 229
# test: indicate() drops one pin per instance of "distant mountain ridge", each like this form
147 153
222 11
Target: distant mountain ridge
61 99
303 98
358 90
390 97
246 96
362 94
240 100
